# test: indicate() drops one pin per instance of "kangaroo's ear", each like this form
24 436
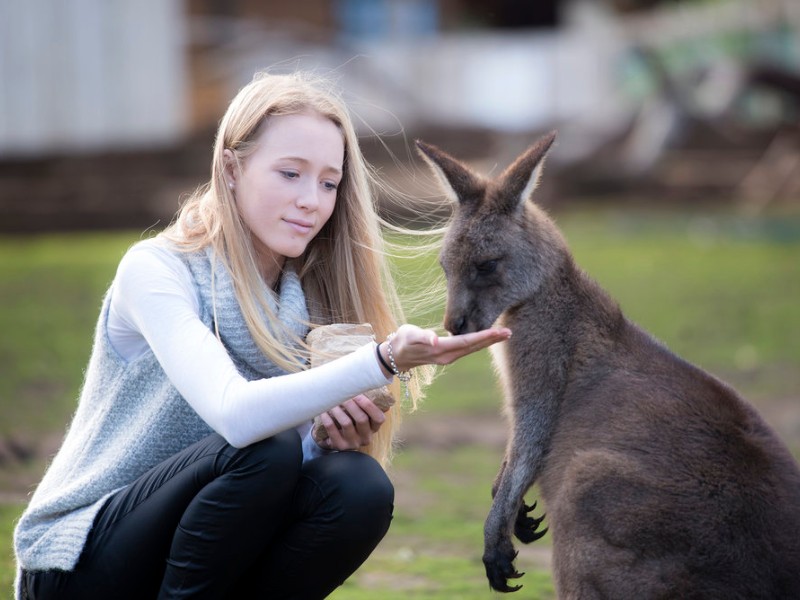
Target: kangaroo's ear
459 182
520 179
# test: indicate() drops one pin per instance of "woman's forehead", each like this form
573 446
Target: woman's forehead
306 136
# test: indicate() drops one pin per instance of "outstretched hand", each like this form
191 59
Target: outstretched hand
413 346
352 424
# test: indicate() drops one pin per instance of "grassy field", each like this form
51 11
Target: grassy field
718 289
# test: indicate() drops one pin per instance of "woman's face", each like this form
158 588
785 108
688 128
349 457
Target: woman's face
286 190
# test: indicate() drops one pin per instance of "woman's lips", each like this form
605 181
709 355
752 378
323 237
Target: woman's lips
299 226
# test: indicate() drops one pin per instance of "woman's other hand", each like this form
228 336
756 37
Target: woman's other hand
351 424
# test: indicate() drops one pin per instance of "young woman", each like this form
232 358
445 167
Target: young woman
188 469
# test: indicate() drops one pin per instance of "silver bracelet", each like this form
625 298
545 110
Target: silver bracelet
405 376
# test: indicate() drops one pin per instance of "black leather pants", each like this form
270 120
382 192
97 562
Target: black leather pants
215 521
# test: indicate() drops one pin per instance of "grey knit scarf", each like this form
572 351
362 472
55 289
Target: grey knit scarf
289 306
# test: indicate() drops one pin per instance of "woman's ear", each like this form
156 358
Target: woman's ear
229 169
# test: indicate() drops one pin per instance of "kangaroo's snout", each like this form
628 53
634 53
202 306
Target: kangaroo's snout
456 325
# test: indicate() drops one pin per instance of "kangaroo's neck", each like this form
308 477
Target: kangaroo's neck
568 323
566 295
599 321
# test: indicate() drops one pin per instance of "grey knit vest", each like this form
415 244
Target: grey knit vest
130 418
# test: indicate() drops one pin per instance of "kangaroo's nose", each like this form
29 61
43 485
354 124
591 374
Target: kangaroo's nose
457 325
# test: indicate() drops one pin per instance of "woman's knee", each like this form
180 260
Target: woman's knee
285 446
279 457
371 482
360 483
367 497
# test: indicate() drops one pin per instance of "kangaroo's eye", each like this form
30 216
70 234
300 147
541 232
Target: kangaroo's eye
487 267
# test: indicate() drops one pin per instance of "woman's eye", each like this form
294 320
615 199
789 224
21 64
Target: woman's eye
290 174
330 186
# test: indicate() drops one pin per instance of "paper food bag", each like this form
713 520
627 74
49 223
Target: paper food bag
328 342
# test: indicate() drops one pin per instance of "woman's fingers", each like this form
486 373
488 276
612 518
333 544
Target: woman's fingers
375 415
412 346
351 425
366 416
339 438
454 347
347 428
335 439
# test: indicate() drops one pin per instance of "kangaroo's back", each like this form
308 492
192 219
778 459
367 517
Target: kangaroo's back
659 480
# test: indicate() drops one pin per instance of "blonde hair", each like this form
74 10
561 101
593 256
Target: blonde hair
344 270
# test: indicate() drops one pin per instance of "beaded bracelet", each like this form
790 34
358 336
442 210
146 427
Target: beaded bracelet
405 376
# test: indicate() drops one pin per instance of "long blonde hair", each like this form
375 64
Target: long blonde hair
344 270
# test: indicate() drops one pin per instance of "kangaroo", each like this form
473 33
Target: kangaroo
658 479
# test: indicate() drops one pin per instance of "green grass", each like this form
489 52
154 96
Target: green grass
8 516
434 547
50 292
718 289
722 291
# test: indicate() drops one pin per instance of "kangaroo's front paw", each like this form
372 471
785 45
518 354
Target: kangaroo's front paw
525 527
499 563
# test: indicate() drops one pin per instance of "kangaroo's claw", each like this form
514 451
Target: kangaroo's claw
525 527
499 569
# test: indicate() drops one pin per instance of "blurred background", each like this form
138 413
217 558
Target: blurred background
108 109
676 178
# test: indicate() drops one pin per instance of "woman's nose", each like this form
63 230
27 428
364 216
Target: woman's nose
308 198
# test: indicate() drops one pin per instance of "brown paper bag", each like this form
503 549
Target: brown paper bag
328 342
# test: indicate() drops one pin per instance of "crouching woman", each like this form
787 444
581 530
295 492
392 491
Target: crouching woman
188 470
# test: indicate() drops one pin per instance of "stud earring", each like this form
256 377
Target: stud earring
230 184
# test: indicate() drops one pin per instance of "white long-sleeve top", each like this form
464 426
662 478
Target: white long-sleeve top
155 306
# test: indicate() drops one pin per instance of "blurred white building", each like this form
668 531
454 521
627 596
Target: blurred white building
93 75
96 75
88 75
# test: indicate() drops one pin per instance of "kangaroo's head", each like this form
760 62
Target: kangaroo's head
499 246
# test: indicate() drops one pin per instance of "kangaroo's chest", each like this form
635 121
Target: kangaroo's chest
500 360
531 364
499 353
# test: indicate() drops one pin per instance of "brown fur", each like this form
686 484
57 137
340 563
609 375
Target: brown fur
660 481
